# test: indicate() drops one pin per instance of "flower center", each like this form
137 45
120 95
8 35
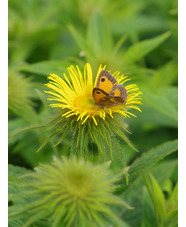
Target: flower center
86 103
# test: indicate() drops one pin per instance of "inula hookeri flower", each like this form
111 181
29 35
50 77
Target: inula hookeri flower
69 193
92 107
75 97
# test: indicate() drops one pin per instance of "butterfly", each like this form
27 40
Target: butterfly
107 92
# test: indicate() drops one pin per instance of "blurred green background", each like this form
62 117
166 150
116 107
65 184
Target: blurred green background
138 38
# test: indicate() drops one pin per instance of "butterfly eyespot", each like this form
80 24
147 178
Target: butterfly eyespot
102 79
98 92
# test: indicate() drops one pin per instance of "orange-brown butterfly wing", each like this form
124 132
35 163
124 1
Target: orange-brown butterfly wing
105 81
118 94
100 96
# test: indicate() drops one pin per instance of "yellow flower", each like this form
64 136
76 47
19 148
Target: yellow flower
73 94
83 120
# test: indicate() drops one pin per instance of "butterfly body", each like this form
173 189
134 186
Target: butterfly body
107 92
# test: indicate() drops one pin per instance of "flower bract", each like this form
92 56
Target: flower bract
70 192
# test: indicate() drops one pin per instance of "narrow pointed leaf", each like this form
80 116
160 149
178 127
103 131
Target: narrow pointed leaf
140 49
98 35
150 158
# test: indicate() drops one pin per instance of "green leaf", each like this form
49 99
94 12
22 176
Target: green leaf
16 171
133 194
167 186
98 35
13 126
119 44
163 100
15 223
80 41
172 219
150 158
149 218
31 141
14 182
138 24
173 200
166 74
44 68
140 49
157 198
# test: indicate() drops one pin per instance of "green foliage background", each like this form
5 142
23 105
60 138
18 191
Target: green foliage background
138 38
